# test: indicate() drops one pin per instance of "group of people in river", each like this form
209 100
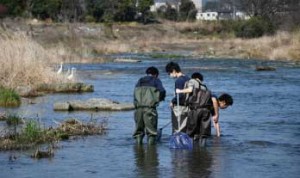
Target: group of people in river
193 106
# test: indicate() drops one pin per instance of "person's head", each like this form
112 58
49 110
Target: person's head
172 68
198 76
152 71
225 100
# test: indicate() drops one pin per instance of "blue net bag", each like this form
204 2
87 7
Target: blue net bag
180 141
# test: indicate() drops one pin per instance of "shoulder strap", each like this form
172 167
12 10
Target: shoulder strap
201 84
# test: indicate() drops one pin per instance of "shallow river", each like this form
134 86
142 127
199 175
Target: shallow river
260 132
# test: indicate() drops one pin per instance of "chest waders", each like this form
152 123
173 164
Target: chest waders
145 116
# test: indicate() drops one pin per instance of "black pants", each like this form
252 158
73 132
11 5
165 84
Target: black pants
198 124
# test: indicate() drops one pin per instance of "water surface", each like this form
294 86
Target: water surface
260 132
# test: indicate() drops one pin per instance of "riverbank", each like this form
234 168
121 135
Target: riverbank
78 42
32 50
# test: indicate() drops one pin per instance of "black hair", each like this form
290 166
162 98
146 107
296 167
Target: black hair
227 98
172 66
197 75
152 70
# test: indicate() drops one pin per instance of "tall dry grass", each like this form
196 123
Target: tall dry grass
283 45
24 62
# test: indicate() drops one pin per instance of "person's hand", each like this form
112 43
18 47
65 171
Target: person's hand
171 105
215 119
178 90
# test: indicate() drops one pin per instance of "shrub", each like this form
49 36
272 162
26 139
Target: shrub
254 28
9 98
13 120
32 131
89 18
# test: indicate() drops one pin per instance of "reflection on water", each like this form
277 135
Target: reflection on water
194 163
146 160
260 131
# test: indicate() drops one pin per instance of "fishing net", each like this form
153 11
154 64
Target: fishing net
180 140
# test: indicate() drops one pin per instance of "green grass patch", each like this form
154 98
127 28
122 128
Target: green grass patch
14 120
9 98
161 55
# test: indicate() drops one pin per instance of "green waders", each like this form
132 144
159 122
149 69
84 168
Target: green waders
146 123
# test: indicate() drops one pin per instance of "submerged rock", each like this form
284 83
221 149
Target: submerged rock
265 68
27 91
38 154
97 104
65 88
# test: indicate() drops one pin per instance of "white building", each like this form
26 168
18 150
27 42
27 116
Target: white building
242 15
160 3
199 4
175 4
222 16
207 16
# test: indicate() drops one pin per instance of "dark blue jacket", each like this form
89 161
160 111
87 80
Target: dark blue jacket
180 83
152 82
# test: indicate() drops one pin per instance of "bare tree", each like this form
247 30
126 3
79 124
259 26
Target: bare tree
278 11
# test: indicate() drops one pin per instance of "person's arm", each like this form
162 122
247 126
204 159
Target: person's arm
215 117
188 87
161 89
186 90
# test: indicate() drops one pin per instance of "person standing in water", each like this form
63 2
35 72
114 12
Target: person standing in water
174 71
198 99
148 92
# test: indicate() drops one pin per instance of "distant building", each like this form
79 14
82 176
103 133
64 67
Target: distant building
207 16
227 12
175 4
225 15
242 15
159 3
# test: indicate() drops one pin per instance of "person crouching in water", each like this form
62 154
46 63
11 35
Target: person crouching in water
178 109
221 102
148 92
199 102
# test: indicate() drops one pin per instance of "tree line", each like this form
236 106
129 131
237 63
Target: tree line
266 15
89 10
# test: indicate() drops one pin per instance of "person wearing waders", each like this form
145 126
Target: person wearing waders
178 125
200 103
148 92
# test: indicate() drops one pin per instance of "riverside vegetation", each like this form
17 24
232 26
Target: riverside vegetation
21 133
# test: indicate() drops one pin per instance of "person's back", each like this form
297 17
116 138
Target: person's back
199 102
148 92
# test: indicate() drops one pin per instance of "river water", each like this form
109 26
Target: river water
260 132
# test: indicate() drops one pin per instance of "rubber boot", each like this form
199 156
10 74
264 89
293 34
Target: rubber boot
151 140
139 140
203 142
196 139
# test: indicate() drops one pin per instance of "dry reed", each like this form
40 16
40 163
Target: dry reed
24 62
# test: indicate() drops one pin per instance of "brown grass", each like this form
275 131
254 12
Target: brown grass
79 42
282 46
24 62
